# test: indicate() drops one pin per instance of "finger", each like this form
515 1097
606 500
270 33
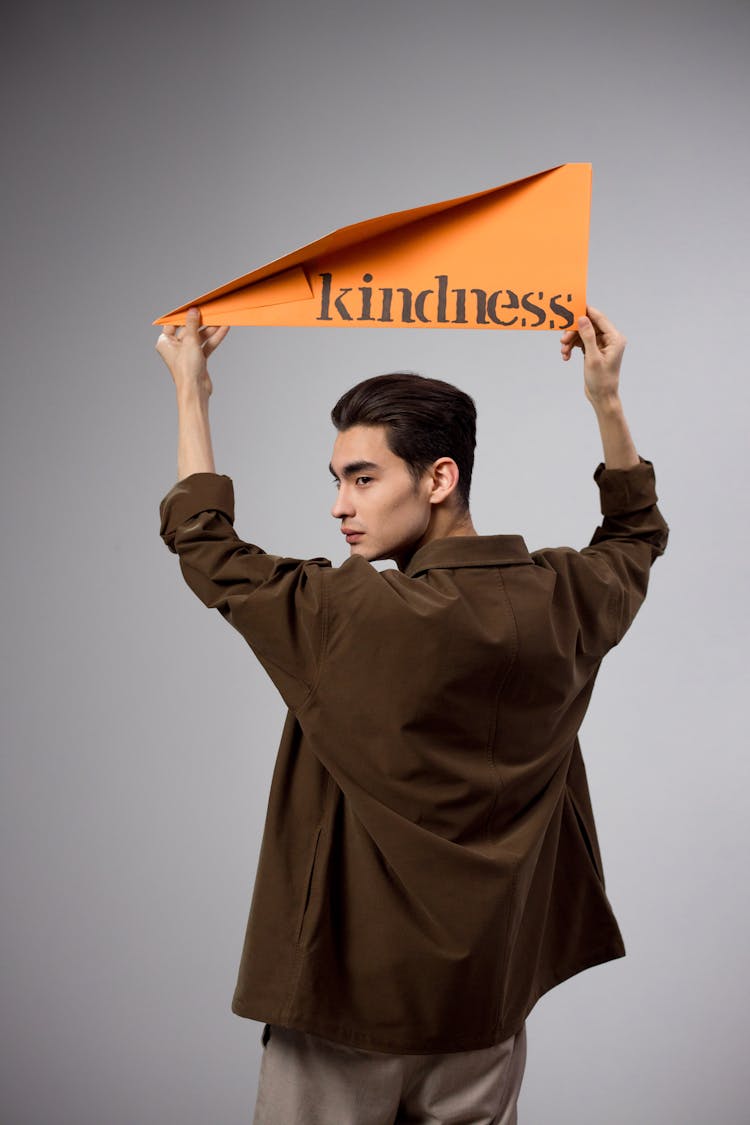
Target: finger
208 333
165 339
567 354
166 336
215 339
570 337
587 333
192 323
600 321
569 340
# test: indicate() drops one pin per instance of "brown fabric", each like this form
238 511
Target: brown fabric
306 1080
429 864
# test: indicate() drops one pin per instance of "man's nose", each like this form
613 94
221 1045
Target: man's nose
342 505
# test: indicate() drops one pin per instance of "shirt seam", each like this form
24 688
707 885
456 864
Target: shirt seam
614 610
496 707
324 630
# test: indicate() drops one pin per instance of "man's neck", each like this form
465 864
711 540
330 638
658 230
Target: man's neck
445 525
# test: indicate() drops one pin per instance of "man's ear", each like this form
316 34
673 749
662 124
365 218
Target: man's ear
444 479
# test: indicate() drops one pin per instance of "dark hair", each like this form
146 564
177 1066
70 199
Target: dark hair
424 418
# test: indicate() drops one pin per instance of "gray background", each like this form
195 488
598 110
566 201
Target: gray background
154 151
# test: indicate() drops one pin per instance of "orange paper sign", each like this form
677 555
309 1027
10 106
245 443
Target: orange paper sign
511 257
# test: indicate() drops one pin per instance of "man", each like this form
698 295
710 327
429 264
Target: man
429 865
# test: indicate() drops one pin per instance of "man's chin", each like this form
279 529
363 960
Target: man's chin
365 550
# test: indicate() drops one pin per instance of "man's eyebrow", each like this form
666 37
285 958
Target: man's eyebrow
354 467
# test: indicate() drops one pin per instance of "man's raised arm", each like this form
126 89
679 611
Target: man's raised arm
606 582
185 355
603 348
275 602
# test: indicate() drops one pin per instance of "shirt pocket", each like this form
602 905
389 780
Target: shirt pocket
301 928
586 836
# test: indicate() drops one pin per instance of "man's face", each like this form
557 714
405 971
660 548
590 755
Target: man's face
376 496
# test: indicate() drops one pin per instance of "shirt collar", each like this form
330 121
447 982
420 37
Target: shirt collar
468 550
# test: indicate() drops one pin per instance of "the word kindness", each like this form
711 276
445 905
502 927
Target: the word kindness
442 305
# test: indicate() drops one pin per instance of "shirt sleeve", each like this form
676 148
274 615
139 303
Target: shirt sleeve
278 604
606 582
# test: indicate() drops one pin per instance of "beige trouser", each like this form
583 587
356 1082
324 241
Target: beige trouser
307 1080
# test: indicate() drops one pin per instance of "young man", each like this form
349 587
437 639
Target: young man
430 864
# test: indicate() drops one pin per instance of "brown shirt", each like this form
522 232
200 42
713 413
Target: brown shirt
429 864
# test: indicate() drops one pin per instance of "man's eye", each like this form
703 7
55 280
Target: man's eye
363 478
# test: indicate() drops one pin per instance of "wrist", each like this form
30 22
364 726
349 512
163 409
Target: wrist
607 404
190 394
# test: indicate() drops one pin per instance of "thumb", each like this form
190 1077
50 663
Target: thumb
587 333
192 322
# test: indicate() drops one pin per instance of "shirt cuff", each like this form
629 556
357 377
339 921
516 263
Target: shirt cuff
199 492
626 490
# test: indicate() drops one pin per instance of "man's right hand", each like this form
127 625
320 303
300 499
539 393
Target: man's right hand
186 350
